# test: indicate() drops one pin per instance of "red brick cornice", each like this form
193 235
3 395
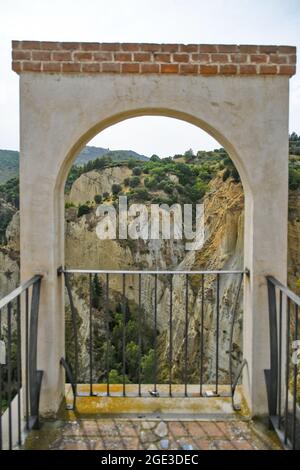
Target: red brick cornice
142 58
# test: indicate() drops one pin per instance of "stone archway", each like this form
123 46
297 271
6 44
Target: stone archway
72 91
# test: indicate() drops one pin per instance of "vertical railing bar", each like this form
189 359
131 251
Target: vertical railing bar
91 333
171 335
9 375
279 359
295 383
234 380
155 335
0 385
287 372
19 355
75 333
124 338
272 374
107 334
26 357
201 335
217 333
139 334
186 335
34 374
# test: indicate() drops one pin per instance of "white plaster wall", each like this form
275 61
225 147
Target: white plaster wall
61 113
14 424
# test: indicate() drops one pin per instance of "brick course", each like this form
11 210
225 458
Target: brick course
199 59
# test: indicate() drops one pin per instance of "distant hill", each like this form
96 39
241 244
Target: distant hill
9 159
90 153
121 155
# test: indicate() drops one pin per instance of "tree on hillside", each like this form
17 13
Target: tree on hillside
83 209
136 171
98 198
116 188
134 181
96 292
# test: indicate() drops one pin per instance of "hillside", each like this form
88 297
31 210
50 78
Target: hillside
9 159
206 176
90 153
9 165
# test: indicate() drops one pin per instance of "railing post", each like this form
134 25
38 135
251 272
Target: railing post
271 375
35 376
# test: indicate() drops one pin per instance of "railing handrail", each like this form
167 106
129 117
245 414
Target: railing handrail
288 292
21 288
146 271
283 332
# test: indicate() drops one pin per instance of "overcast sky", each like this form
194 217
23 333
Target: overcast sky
179 21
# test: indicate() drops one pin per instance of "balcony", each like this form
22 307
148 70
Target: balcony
188 408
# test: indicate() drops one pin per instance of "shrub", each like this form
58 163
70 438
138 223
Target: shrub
140 194
147 366
294 179
116 188
105 195
179 188
226 174
196 192
131 163
98 198
136 171
117 378
169 187
150 183
69 204
96 292
134 181
162 200
83 209
235 175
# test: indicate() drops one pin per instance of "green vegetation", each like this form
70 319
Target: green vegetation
184 178
9 165
116 188
134 181
139 194
98 198
136 171
122 320
9 192
294 144
83 209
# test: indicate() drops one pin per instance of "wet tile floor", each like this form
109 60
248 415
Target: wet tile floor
141 434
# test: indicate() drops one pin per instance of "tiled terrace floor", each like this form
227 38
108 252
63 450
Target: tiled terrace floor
150 434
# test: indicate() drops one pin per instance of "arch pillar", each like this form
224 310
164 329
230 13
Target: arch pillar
59 115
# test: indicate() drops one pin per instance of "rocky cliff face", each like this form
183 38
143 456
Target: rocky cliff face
9 252
294 241
223 249
97 182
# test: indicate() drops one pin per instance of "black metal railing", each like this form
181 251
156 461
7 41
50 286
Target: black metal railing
20 381
199 277
283 387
